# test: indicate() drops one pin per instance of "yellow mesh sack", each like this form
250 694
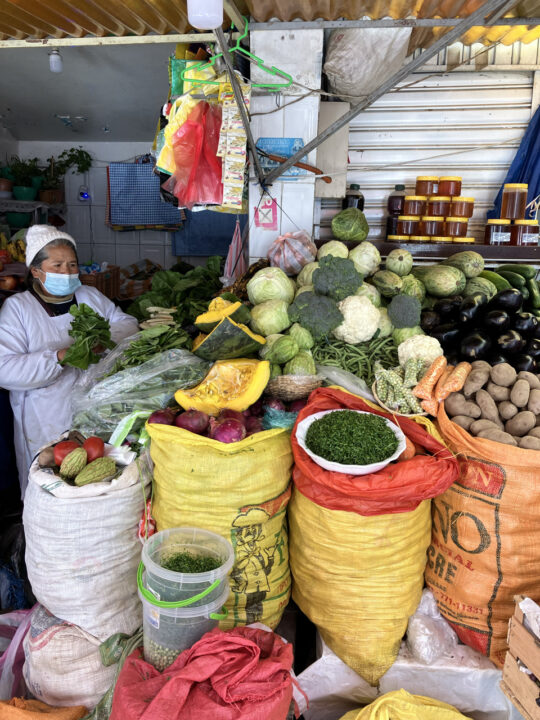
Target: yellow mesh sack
401 705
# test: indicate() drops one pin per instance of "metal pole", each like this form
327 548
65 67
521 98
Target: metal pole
402 73
240 102
384 23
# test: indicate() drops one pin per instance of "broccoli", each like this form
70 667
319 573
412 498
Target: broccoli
336 277
404 311
316 313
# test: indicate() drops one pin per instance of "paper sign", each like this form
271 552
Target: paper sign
266 215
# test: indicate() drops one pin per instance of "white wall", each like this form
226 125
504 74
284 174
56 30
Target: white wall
86 221
8 145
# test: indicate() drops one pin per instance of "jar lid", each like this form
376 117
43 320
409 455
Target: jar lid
526 222
399 187
463 199
428 177
409 217
354 186
464 240
436 218
440 238
397 238
515 186
498 221
450 177
415 197
443 198
420 238
457 219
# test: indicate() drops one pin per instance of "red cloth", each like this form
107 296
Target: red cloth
241 674
399 487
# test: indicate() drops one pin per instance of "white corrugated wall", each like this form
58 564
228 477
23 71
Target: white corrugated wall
449 116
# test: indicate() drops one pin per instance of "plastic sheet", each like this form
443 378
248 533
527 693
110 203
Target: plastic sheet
292 251
13 626
429 637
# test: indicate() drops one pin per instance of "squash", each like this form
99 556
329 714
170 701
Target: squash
232 384
228 340
219 309
198 340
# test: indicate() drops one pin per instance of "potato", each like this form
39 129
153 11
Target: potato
463 421
475 381
488 407
481 365
507 410
503 374
455 404
532 379
521 423
529 443
478 425
497 436
534 401
498 392
519 394
535 432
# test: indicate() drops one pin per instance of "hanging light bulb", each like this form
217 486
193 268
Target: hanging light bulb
55 61
205 14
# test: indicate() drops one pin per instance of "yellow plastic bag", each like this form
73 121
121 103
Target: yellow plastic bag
401 705
241 491
344 565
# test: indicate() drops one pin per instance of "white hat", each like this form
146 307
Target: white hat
38 236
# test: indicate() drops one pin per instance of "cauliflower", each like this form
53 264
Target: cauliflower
420 347
361 320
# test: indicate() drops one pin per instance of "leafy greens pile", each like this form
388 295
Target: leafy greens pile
89 330
149 343
189 292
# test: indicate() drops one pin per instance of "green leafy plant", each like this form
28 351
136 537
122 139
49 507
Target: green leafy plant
23 171
75 159
89 330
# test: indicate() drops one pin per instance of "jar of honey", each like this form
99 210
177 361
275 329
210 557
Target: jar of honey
456 226
420 238
441 239
524 232
497 232
439 205
464 240
462 207
432 225
398 238
426 185
414 205
450 185
408 225
514 201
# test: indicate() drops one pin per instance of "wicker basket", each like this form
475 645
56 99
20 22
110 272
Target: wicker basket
293 387
107 281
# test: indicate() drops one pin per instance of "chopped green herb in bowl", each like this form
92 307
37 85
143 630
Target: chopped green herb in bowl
185 562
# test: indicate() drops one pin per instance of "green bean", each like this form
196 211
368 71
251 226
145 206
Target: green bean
357 359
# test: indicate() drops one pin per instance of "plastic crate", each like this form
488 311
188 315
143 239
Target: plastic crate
107 281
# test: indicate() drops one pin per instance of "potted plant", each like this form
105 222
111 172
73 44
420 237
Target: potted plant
51 190
23 173
6 183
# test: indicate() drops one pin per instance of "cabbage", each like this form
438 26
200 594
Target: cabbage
371 292
306 273
401 334
335 248
304 288
270 317
366 258
270 340
301 364
385 326
350 224
302 337
270 284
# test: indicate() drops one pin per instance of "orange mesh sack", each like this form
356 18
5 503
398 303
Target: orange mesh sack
485 544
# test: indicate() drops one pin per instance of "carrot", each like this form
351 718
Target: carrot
430 406
455 382
441 381
409 452
424 389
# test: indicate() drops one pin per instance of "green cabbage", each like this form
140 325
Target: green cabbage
270 317
270 284
385 326
333 247
304 288
350 224
305 274
401 334
371 292
366 257
301 364
270 340
302 337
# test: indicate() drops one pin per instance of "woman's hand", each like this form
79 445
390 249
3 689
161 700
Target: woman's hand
61 354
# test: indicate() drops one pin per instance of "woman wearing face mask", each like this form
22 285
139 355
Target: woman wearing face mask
34 338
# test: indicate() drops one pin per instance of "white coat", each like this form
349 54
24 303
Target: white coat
39 386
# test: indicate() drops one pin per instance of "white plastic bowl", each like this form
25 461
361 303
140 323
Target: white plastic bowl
302 429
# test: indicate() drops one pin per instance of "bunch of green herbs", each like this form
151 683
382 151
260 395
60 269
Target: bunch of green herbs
358 359
150 342
351 438
186 562
89 330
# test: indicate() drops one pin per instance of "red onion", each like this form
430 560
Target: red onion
257 408
273 404
297 405
163 417
234 414
192 420
228 430
254 425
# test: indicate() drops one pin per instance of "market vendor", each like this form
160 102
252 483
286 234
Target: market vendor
34 338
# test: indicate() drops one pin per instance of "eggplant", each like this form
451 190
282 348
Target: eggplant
497 358
525 323
448 308
475 346
448 334
536 332
429 320
510 342
524 362
496 321
508 300
453 358
533 348
471 307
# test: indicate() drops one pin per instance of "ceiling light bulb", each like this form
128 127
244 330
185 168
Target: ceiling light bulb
205 14
55 61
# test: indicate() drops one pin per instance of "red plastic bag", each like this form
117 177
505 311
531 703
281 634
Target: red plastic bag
197 177
241 674
399 487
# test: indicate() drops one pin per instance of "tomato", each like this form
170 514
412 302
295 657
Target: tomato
62 449
95 448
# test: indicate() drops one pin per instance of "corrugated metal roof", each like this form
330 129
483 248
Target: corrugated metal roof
38 19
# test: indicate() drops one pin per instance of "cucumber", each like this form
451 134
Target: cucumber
498 280
524 291
517 281
534 293
526 271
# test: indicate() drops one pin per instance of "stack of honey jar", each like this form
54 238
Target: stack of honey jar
437 212
512 228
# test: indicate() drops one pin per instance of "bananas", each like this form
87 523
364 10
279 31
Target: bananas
15 247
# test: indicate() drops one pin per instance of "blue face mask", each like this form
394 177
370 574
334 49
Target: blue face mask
59 284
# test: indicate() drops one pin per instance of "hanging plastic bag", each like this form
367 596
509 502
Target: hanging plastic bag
13 626
292 251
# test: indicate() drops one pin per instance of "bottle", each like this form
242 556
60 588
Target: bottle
353 198
395 205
